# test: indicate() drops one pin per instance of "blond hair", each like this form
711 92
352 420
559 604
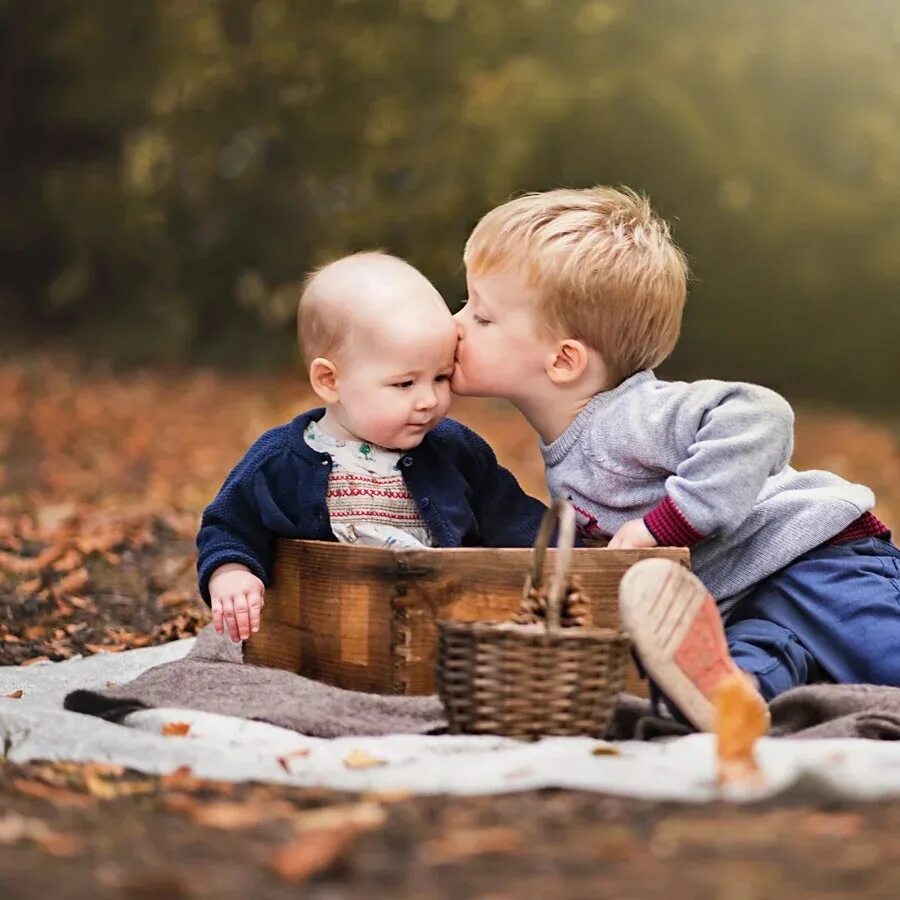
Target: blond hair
609 271
323 318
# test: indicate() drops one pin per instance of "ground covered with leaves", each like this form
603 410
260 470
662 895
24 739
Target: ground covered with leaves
102 479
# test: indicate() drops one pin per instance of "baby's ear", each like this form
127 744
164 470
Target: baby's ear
323 379
567 361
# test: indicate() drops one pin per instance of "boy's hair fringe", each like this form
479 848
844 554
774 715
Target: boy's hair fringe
609 271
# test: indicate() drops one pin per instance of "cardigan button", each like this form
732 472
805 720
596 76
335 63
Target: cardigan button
326 462
407 461
426 502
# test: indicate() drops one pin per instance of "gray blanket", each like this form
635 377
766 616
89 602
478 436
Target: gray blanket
213 678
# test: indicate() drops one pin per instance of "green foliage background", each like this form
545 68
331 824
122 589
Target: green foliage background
171 168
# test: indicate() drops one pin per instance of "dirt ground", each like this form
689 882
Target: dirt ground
265 842
101 483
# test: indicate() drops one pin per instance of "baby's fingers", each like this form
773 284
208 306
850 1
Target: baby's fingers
242 616
256 605
216 604
230 618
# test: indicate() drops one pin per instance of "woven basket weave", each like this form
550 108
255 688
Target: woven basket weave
529 680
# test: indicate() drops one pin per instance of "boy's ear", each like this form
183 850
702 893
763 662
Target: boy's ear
567 362
323 379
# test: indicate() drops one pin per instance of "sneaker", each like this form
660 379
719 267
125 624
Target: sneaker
678 635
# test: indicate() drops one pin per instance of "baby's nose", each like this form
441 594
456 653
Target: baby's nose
427 399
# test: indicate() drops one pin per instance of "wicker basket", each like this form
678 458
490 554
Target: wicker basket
529 680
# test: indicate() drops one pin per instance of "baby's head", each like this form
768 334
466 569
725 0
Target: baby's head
568 287
379 342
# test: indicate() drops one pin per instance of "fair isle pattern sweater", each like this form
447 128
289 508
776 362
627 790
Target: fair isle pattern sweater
367 498
706 465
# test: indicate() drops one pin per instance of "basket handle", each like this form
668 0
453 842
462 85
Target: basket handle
562 511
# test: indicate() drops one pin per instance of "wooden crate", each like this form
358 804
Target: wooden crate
364 618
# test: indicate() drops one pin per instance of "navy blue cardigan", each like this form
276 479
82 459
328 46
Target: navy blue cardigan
278 490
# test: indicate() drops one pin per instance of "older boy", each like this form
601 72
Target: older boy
574 297
378 465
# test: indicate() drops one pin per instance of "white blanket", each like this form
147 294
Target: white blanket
221 747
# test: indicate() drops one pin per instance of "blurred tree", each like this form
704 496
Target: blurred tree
170 169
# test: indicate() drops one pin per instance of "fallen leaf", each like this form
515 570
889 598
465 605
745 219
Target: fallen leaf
104 789
106 648
55 795
285 759
466 843
15 828
312 852
16 695
364 816
112 684
73 582
841 826
359 759
34 660
606 750
235 816
741 718
174 598
176 729
71 560
388 795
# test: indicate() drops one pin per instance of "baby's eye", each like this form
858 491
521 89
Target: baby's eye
478 320
442 378
403 384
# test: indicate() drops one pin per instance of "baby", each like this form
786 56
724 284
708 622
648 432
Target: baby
379 464
574 296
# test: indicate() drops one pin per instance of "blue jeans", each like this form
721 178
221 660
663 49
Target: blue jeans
832 615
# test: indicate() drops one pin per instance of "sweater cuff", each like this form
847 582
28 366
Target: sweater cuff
667 523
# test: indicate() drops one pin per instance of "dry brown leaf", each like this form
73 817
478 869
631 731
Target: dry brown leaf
112 684
15 828
285 759
55 795
312 852
73 582
16 695
606 750
235 816
103 789
466 843
176 729
741 718
174 598
106 648
388 795
359 759
181 803
838 825
365 816
81 602
34 660
69 561
27 588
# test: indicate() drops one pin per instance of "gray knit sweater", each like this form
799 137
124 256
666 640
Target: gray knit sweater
706 466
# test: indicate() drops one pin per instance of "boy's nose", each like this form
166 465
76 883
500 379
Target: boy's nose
457 320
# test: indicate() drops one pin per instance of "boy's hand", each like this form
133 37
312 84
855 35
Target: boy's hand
632 535
237 598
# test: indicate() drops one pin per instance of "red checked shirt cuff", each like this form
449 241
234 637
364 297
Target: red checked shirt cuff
669 526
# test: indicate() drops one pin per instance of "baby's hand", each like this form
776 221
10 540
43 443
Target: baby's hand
237 597
632 536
